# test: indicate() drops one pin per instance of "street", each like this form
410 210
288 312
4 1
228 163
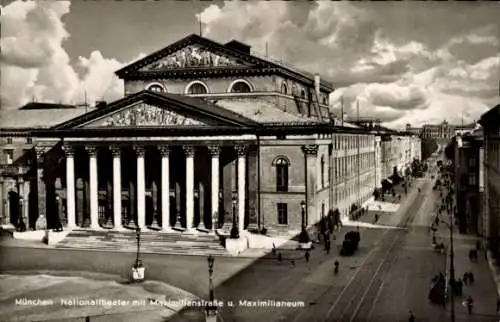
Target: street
388 276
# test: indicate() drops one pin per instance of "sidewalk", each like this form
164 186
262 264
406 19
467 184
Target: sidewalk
484 290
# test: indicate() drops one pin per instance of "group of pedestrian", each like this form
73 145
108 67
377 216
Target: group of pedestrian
468 278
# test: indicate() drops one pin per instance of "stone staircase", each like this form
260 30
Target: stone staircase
151 242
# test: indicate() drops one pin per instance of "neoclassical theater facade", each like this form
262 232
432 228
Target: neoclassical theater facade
207 135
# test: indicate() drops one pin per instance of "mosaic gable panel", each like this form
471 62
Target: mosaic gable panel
143 115
194 56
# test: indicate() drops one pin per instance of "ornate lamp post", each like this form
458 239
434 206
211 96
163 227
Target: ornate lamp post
234 230
211 309
138 268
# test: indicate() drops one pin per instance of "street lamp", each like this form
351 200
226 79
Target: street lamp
452 268
138 268
211 308
234 230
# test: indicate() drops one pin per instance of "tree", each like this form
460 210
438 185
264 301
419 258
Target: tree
428 147
449 150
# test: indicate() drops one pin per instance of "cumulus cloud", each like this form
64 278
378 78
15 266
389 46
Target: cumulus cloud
389 62
35 65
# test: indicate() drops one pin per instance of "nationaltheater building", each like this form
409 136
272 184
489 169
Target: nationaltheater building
206 134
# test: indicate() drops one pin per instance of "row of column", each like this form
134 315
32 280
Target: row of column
165 184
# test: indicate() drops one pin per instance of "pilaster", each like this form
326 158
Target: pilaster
252 188
310 158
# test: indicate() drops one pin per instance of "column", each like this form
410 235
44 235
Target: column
41 221
117 188
214 153
189 152
26 210
94 218
241 151
141 187
70 186
310 159
165 187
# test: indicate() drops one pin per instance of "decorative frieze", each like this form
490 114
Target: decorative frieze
310 149
188 150
214 150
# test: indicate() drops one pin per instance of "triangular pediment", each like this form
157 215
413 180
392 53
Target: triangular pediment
156 110
195 56
142 115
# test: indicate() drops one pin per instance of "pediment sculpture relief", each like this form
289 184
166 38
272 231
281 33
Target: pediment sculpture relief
144 115
193 56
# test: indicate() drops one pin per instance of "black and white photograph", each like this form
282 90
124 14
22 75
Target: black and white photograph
227 161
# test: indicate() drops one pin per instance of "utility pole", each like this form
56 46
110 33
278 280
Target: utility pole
358 156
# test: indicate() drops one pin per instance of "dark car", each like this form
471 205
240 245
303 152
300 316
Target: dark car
350 244
348 248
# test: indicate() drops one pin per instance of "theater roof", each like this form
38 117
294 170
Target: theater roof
237 60
39 115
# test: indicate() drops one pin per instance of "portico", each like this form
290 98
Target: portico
170 185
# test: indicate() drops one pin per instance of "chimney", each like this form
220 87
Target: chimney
316 85
239 46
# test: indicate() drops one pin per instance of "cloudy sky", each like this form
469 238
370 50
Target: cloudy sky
403 63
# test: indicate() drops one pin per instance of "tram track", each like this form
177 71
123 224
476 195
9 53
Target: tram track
355 301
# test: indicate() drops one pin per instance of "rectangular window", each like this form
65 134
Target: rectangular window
282 177
9 156
29 140
282 213
472 179
9 140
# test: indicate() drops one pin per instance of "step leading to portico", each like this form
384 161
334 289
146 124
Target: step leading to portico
151 242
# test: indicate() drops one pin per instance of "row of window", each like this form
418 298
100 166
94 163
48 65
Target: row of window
346 166
351 141
10 140
198 87
294 91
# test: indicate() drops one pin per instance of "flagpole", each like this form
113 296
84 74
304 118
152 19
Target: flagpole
342 110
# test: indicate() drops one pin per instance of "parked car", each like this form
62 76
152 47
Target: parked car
350 244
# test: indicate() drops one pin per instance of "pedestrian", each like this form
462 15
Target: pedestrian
498 305
307 256
411 317
292 261
470 303
466 278
327 247
376 218
471 278
336 269
280 257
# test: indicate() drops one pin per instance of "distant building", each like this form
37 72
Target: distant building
206 136
490 121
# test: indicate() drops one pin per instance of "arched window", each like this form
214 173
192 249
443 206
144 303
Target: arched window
282 165
197 88
157 88
284 89
303 94
325 100
241 87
